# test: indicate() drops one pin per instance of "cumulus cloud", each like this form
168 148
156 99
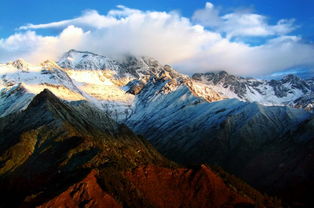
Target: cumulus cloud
241 23
238 24
170 38
209 16
276 55
35 48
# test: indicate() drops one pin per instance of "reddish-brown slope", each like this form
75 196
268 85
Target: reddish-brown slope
87 193
181 187
156 187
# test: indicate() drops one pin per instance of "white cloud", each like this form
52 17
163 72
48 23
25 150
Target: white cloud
168 37
239 24
209 16
276 55
36 48
89 18
123 11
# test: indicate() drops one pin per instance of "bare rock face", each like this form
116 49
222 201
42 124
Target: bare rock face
135 86
157 187
305 102
20 64
86 193
182 187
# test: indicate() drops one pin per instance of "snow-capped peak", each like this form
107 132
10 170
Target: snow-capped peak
115 83
20 64
286 91
49 64
84 60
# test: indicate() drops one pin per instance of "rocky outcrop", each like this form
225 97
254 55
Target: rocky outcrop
135 86
183 187
305 102
86 193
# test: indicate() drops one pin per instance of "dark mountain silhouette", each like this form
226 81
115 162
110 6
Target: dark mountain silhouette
57 155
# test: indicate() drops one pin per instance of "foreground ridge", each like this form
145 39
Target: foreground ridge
53 155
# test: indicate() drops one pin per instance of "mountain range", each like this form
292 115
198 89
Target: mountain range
58 155
76 117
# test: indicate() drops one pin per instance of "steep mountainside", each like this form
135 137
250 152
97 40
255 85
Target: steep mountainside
21 81
54 154
256 142
98 79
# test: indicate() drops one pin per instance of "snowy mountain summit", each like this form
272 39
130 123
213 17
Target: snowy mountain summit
290 90
117 84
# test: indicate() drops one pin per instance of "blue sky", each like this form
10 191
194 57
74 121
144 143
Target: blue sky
15 13
273 24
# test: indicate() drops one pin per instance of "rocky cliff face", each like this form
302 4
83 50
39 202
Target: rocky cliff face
85 193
